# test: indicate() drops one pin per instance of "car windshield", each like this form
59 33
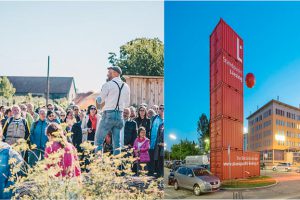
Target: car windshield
284 164
201 172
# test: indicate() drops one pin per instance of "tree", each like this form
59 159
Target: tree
183 149
7 90
141 56
203 132
167 154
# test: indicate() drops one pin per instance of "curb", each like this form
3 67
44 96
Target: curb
254 188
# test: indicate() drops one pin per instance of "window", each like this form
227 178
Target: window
258 127
267 143
267 123
291 124
267 133
267 113
182 170
258 118
290 115
201 172
189 171
279 112
280 122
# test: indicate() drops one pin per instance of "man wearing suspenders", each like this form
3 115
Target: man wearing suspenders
115 94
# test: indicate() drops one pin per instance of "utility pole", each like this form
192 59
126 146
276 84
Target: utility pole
48 81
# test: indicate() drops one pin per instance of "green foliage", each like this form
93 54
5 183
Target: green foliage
141 56
167 154
63 102
7 90
36 101
203 132
102 179
183 149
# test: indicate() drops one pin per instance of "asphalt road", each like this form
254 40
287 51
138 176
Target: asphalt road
288 187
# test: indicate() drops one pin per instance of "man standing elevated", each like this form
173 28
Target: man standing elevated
115 94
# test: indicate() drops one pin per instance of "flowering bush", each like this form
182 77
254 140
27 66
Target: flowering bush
103 177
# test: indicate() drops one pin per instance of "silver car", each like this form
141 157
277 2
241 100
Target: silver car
196 178
282 167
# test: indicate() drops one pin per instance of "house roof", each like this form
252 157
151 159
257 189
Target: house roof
35 84
274 101
83 100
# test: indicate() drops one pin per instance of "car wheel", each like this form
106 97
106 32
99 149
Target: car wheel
176 186
197 190
274 168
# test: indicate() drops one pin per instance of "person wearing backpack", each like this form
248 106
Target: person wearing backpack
115 94
6 154
16 127
38 138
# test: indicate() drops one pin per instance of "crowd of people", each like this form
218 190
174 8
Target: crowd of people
112 126
142 129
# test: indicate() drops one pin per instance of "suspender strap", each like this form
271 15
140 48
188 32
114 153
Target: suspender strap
120 89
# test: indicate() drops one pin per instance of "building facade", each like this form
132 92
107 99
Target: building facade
274 131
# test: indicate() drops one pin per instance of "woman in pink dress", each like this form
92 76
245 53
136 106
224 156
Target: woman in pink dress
67 163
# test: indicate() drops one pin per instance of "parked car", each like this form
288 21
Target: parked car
175 163
171 175
196 178
282 167
298 170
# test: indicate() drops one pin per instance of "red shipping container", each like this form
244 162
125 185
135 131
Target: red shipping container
221 167
226 107
253 169
224 132
234 165
224 38
226 70
226 102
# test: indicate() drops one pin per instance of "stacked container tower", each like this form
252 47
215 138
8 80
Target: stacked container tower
227 158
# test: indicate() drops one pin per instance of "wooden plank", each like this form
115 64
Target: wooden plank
148 90
136 90
139 89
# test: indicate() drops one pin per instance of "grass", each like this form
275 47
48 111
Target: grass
252 182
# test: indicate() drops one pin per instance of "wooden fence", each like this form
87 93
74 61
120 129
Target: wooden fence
146 89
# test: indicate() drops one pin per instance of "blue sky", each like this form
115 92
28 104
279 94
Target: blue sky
271 35
77 35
